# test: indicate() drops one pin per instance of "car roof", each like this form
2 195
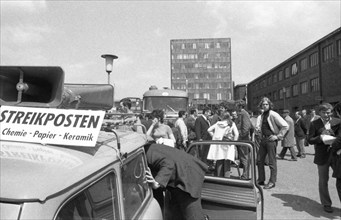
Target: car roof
32 171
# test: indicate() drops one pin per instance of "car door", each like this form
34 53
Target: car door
226 195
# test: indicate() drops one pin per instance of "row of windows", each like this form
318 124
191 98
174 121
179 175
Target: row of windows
219 85
222 65
194 56
200 76
211 96
311 61
207 45
294 90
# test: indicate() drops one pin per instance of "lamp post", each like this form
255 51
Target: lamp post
109 60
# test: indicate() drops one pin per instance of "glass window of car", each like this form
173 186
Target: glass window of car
98 201
135 188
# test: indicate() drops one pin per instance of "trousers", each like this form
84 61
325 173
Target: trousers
269 148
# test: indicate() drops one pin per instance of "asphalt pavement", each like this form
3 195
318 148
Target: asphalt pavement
296 193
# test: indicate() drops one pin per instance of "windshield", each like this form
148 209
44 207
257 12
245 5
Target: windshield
168 104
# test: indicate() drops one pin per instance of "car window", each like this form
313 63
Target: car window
135 188
98 201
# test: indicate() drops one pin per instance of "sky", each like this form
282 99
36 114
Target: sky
74 34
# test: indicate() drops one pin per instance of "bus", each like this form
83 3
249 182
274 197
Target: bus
169 100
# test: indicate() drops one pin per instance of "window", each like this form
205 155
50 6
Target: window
205 55
303 64
327 52
99 201
281 93
338 47
207 96
196 96
274 78
219 96
294 69
207 46
315 84
313 59
269 80
194 46
135 188
287 74
287 92
295 90
206 85
182 46
275 95
304 87
218 45
280 75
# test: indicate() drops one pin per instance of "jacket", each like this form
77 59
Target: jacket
174 168
289 137
300 128
201 126
277 124
322 151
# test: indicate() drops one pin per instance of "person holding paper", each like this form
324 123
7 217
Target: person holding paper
326 125
336 153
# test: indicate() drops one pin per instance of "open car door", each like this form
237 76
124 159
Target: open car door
228 195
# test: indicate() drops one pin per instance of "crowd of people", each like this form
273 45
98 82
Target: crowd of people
267 129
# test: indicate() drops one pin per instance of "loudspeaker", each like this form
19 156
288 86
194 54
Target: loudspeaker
31 86
88 96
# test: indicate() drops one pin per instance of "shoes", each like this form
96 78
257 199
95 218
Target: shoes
303 156
206 217
270 185
298 155
280 158
261 183
292 159
328 208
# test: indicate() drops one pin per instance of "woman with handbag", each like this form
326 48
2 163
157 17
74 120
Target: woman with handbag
223 154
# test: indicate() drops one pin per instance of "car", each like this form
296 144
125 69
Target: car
61 158
99 175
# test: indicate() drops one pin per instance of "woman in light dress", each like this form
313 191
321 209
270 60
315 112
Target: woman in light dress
223 154
160 132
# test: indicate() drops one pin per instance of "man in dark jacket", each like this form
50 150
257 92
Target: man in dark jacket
300 134
201 125
336 153
182 175
326 125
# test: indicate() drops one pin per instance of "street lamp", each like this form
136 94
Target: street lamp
109 60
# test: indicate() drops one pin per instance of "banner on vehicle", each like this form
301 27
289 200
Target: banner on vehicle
50 126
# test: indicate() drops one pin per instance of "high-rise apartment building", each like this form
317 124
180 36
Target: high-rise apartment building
202 67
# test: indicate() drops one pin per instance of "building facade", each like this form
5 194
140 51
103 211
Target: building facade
202 67
303 81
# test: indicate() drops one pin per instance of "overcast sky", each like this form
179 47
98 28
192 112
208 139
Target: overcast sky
74 35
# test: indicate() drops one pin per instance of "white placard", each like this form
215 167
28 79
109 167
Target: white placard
50 126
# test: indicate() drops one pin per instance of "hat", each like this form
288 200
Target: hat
286 111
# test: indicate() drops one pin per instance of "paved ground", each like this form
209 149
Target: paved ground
296 193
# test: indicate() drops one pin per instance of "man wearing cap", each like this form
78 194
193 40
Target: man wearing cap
288 141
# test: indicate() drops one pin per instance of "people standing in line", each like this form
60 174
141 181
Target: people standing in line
273 128
336 153
160 132
244 127
326 125
288 141
201 125
224 129
300 134
190 123
182 175
180 124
